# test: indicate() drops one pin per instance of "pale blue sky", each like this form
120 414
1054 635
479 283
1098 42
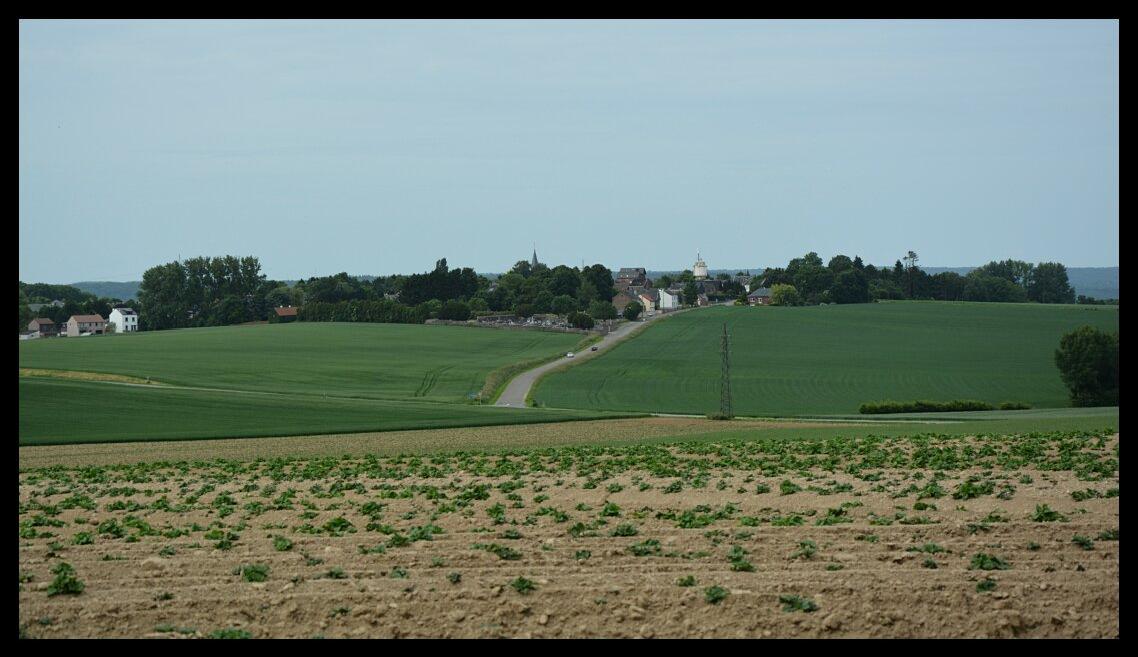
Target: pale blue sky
378 147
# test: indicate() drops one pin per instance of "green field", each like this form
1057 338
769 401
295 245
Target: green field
377 361
63 412
822 360
273 380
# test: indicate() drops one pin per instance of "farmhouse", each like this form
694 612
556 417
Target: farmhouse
649 298
669 300
621 300
41 327
761 296
631 277
285 314
79 325
125 320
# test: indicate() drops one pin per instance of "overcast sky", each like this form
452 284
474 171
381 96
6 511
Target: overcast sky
379 147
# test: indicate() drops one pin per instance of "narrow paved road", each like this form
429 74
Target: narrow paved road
519 387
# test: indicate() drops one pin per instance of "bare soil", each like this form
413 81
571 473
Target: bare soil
868 572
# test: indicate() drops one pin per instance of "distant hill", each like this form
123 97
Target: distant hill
111 289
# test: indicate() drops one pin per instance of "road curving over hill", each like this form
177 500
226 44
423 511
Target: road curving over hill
518 389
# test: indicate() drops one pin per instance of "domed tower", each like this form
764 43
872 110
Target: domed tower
700 268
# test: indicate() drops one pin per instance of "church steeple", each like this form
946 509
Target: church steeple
534 262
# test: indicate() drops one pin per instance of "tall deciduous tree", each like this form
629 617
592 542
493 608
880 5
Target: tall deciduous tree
1049 284
1088 363
785 295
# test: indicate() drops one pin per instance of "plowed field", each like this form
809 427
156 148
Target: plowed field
925 536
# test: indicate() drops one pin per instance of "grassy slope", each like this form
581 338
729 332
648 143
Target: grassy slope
444 363
54 411
830 359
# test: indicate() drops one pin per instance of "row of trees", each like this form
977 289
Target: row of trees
845 280
232 290
204 292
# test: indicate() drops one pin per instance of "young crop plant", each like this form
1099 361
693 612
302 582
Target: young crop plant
503 552
737 557
984 561
523 585
624 529
65 582
610 510
834 517
454 578
557 514
973 487
715 594
281 544
985 585
1108 535
806 550
788 487
1085 542
252 572
930 563
797 603
339 526
929 548
1044 513
582 555
647 548
230 633
792 520
686 580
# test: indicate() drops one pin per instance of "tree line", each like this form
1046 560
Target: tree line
206 291
806 280
231 290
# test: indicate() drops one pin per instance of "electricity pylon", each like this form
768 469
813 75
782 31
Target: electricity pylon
725 378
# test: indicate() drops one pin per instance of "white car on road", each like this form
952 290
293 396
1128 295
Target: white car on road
569 355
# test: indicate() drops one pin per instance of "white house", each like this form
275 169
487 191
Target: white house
669 300
125 320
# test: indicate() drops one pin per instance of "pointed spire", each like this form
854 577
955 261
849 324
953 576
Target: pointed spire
534 263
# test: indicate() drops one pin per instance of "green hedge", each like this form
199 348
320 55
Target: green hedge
924 406
382 311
